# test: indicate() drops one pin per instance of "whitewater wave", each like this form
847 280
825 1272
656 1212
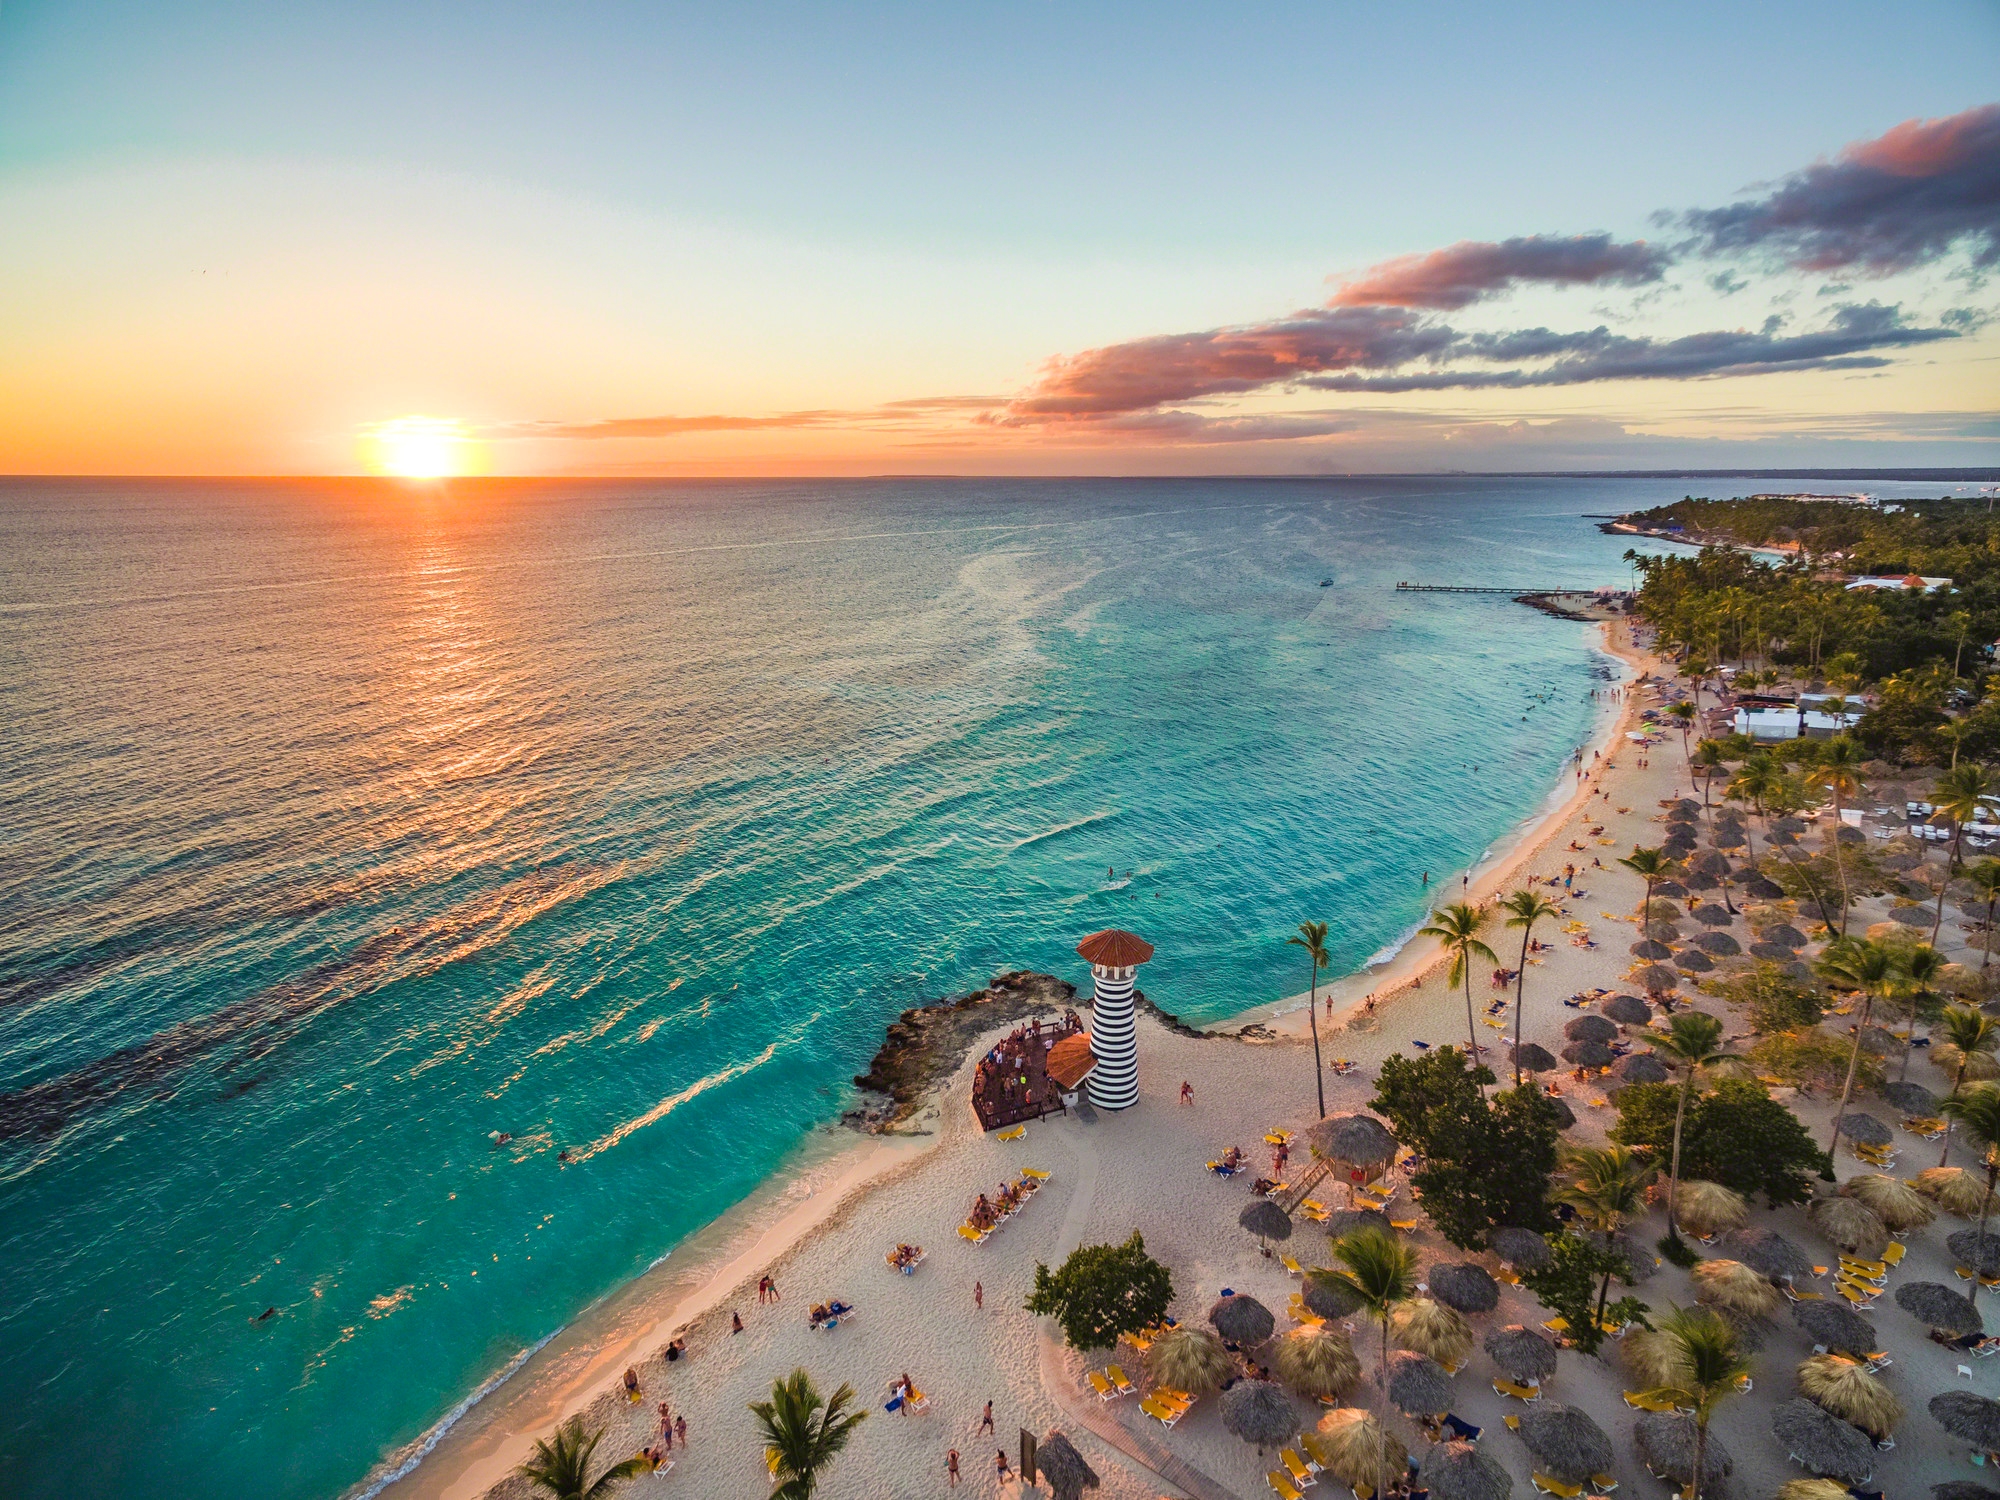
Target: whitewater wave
1062 828
404 1460
673 1102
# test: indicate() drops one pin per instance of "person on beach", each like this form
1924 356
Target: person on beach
666 1428
763 1287
986 1421
979 1296
735 1322
1001 1471
1187 1092
776 1295
631 1384
681 1430
677 1350
951 1466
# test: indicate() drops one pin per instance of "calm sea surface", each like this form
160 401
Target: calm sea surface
343 825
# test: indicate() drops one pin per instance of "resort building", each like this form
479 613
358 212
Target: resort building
1114 959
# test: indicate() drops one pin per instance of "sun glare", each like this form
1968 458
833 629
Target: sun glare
420 448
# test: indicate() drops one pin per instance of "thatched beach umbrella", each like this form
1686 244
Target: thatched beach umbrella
1892 1200
1762 888
1459 1471
1770 1252
1662 931
1522 1354
1865 1129
1666 1442
1964 1415
1651 951
1718 944
1962 1489
1567 1442
1063 1468
1710 1208
1530 1057
1841 1329
1978 1066
1242 1319
1910 1098
1344 1221
1564 1115
1626 1010
1591 1029
1850 1225
1785 934
1522 1248
1430 1328
1822 1442
1651 1357
1356 1141
1813 1489
1642 1067
1418 1386
1694 961
1709 862
1940 1307
1317 1362
1667 888
1589 1055
1711 915
1267 1221
1360 1451
1654 980
1259 1411
1465 1287
1326 1297
1776 953
1844 1387
1188 1359
1910 916
1974 1252
1733 1287
1953 1189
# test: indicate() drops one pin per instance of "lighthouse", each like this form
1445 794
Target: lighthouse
1114 959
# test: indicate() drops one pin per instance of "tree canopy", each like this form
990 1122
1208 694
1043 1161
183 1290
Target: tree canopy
1737 1135
1103 1291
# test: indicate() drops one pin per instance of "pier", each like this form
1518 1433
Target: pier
1467 588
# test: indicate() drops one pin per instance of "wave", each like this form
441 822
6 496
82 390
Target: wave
673 1102
1396 944
1062 828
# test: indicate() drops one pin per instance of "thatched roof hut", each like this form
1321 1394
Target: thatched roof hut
1651 1357
1953 1189
1326 1297
1813 1489
1459 1471
1910 1098
1776 953
1822 1442
1762 888
1733 1287
1430 1328
1865 1128
1709 1207
1522 1354
1259 1412
1965 1415
1591 1029
1242 1319
1651 949
1693 961
1666 1443
1317 1361
1654 979
1770 1252
1711 915
1841 1329
1642 1067
1892 1200
1641 1264
1978 1254
1939 1306
1844 1387
1465 1286
1626 1010
1531 1057
1718 944
1359 1450
1519 1247
1566 1442
1266 1220
1850 1225
1588 1055
1352 1140
1189 1359
1063 1468
1785 934
1418 1386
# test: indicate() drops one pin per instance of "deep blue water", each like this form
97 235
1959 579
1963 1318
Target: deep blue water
346 823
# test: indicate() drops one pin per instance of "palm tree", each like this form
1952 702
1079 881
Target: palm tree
1788 794
1970 1031
1528 906
1985 877
1921 967
1458 927
1653 866
1692 1041
802 1433
1606 1185
1978 1111
1870 967
1754 780
1312 937
561 1464
1961 793
1708 755
1706 1367
1838 774
1683 714
1378 1272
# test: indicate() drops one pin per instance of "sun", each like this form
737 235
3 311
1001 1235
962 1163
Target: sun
420 448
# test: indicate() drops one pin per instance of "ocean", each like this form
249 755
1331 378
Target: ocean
349 825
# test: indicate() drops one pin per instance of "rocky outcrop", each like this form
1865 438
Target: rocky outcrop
925 1045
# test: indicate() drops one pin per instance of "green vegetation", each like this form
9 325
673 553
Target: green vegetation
1707 1368
561 1465
1103 1291
1813 1060
802 1433
1457 927
1569 1285
1693 1041
1524 909
1606 1185
1777 1001
1377 1271
1736 1135
1487 1162
1311 936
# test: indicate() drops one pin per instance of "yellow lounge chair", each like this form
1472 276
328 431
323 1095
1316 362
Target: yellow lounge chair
1316 1448
970 1235
1298 1468
1509 1275
1548 1484
1513 1422
1361 1492
1159 1411
1893 1256
1291 1265
772 1458
1117 1374
1036 1173
1854 1294
1557 1324
1278 1138
1103 1387
1518 1392
1604 1484
1403 1224
1015 1134
1644 1401
1281 1485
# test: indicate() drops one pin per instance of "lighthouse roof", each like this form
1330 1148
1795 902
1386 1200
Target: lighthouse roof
1115 949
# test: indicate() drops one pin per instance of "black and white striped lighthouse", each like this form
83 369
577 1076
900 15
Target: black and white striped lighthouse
1114 958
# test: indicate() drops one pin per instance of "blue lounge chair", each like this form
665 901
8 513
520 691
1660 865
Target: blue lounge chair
1461 1429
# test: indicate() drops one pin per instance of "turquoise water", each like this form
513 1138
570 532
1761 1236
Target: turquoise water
346 824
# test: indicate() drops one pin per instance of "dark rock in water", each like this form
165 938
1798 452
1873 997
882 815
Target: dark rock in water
926 1044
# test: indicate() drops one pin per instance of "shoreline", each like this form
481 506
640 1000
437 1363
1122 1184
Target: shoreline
477 1446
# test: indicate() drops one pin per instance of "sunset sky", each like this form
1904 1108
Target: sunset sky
1028 238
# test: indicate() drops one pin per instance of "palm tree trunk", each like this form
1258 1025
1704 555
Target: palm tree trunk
1847 1089
1951 859
1312 1015
1805 874
1471 1032
1986 937
1956 1084
1674 1171
1520 988
1840 865
1700 1454
1985 1208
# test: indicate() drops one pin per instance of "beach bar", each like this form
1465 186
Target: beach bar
1114 957
1033 1072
